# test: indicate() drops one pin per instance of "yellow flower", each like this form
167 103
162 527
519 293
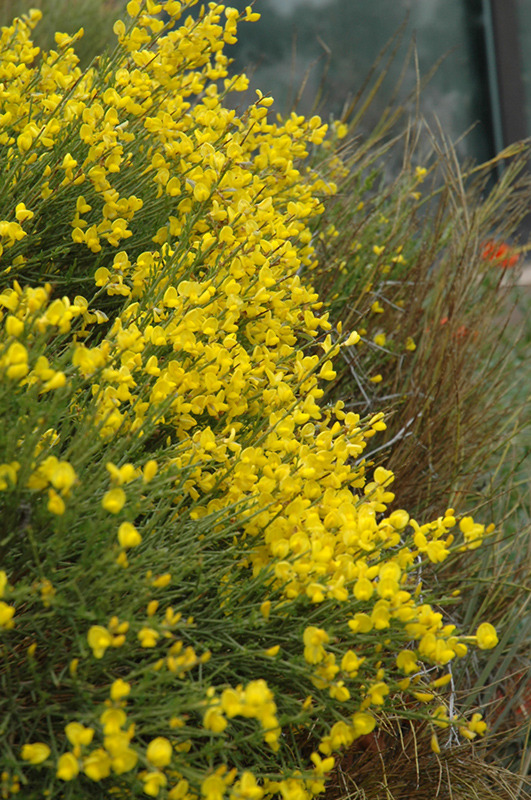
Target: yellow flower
341 735
97 765
339 692
363 722
265 609
322 766
159 752
35 753
153 782
148 637
120 689
477 725
314 638
150 470
114 500
124 758
341 129
399 519
213 788
112 720
14 326
423 697
440 717
56 504
327 373
213 720
161 581
437 551
361 622
363 589
231 702
247 788
378 692
486 636
473 532
67 767
99 640
77 734
22 213
6 615
120 475
128 536
407 661
380 615
133 8
383 476
350 662
352 339
17 360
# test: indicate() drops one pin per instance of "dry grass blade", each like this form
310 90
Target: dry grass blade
399 764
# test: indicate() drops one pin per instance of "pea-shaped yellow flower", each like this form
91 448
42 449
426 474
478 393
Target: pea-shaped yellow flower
97 765
153 781
406 661
22 213
399 519
383 476
99 640
147 637
212 787
112 720
159 752
77 734
120 689
35 753
150 470
363 722
114 500
486 636
128 536
213 720
314 638
247 788
352 339
6 615
67 767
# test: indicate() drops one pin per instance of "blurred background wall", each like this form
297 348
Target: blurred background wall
334 43
482 85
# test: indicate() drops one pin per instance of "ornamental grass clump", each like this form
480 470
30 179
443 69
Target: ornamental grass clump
412 262
204 591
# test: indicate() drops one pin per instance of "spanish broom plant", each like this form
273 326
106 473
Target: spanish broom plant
205 592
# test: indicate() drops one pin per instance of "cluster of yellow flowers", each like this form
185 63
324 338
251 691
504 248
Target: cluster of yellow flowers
190 371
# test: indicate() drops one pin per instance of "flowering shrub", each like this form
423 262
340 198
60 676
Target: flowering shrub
204 590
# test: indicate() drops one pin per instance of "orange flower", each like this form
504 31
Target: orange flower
500 254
